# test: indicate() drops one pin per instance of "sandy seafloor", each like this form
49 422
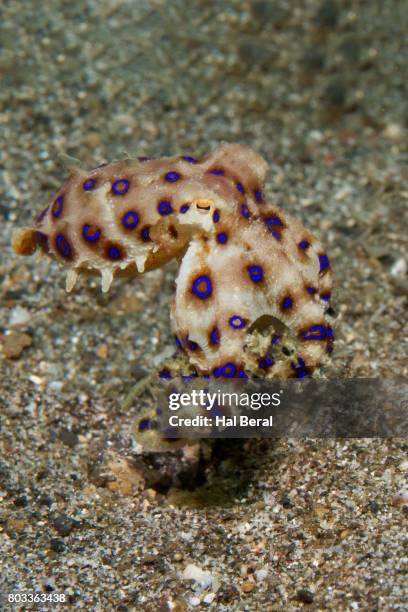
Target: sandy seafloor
320 91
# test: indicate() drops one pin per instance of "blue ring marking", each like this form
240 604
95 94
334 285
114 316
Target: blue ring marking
165 208
240 187
114 252
275 339
217 372
190 159
177 341
89 184
301 373
300 363
330 333
145 234
229 366
172 177
166 374
216 216
215 336
330 349
130 219
120 187
245 211
144 424
62 245
273 221
202 293
242 374
255 273
57 207
316 332
276 234
325 297
236 322
324 262
184 208
311 290
222 238
217 171
287 302
266 362
258 196
304 244
90 237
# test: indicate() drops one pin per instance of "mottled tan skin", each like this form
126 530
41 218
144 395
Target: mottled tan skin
252 280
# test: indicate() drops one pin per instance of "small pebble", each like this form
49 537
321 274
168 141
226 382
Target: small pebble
57 545
63 524
14 343
248 586
305 596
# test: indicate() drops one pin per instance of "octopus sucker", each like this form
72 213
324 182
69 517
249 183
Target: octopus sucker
241 259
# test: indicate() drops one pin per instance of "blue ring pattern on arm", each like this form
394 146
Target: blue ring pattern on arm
62 246
57 207
266 362
202 280
304 244
184 208
255 273
114 252
240 187
258 196
120 187
229 370
316 332
236 322
215 336
324 262
222 238
217 171
91 237
190 159
165 208
89 184
287 302
216 216
130 219
172 177
245 211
